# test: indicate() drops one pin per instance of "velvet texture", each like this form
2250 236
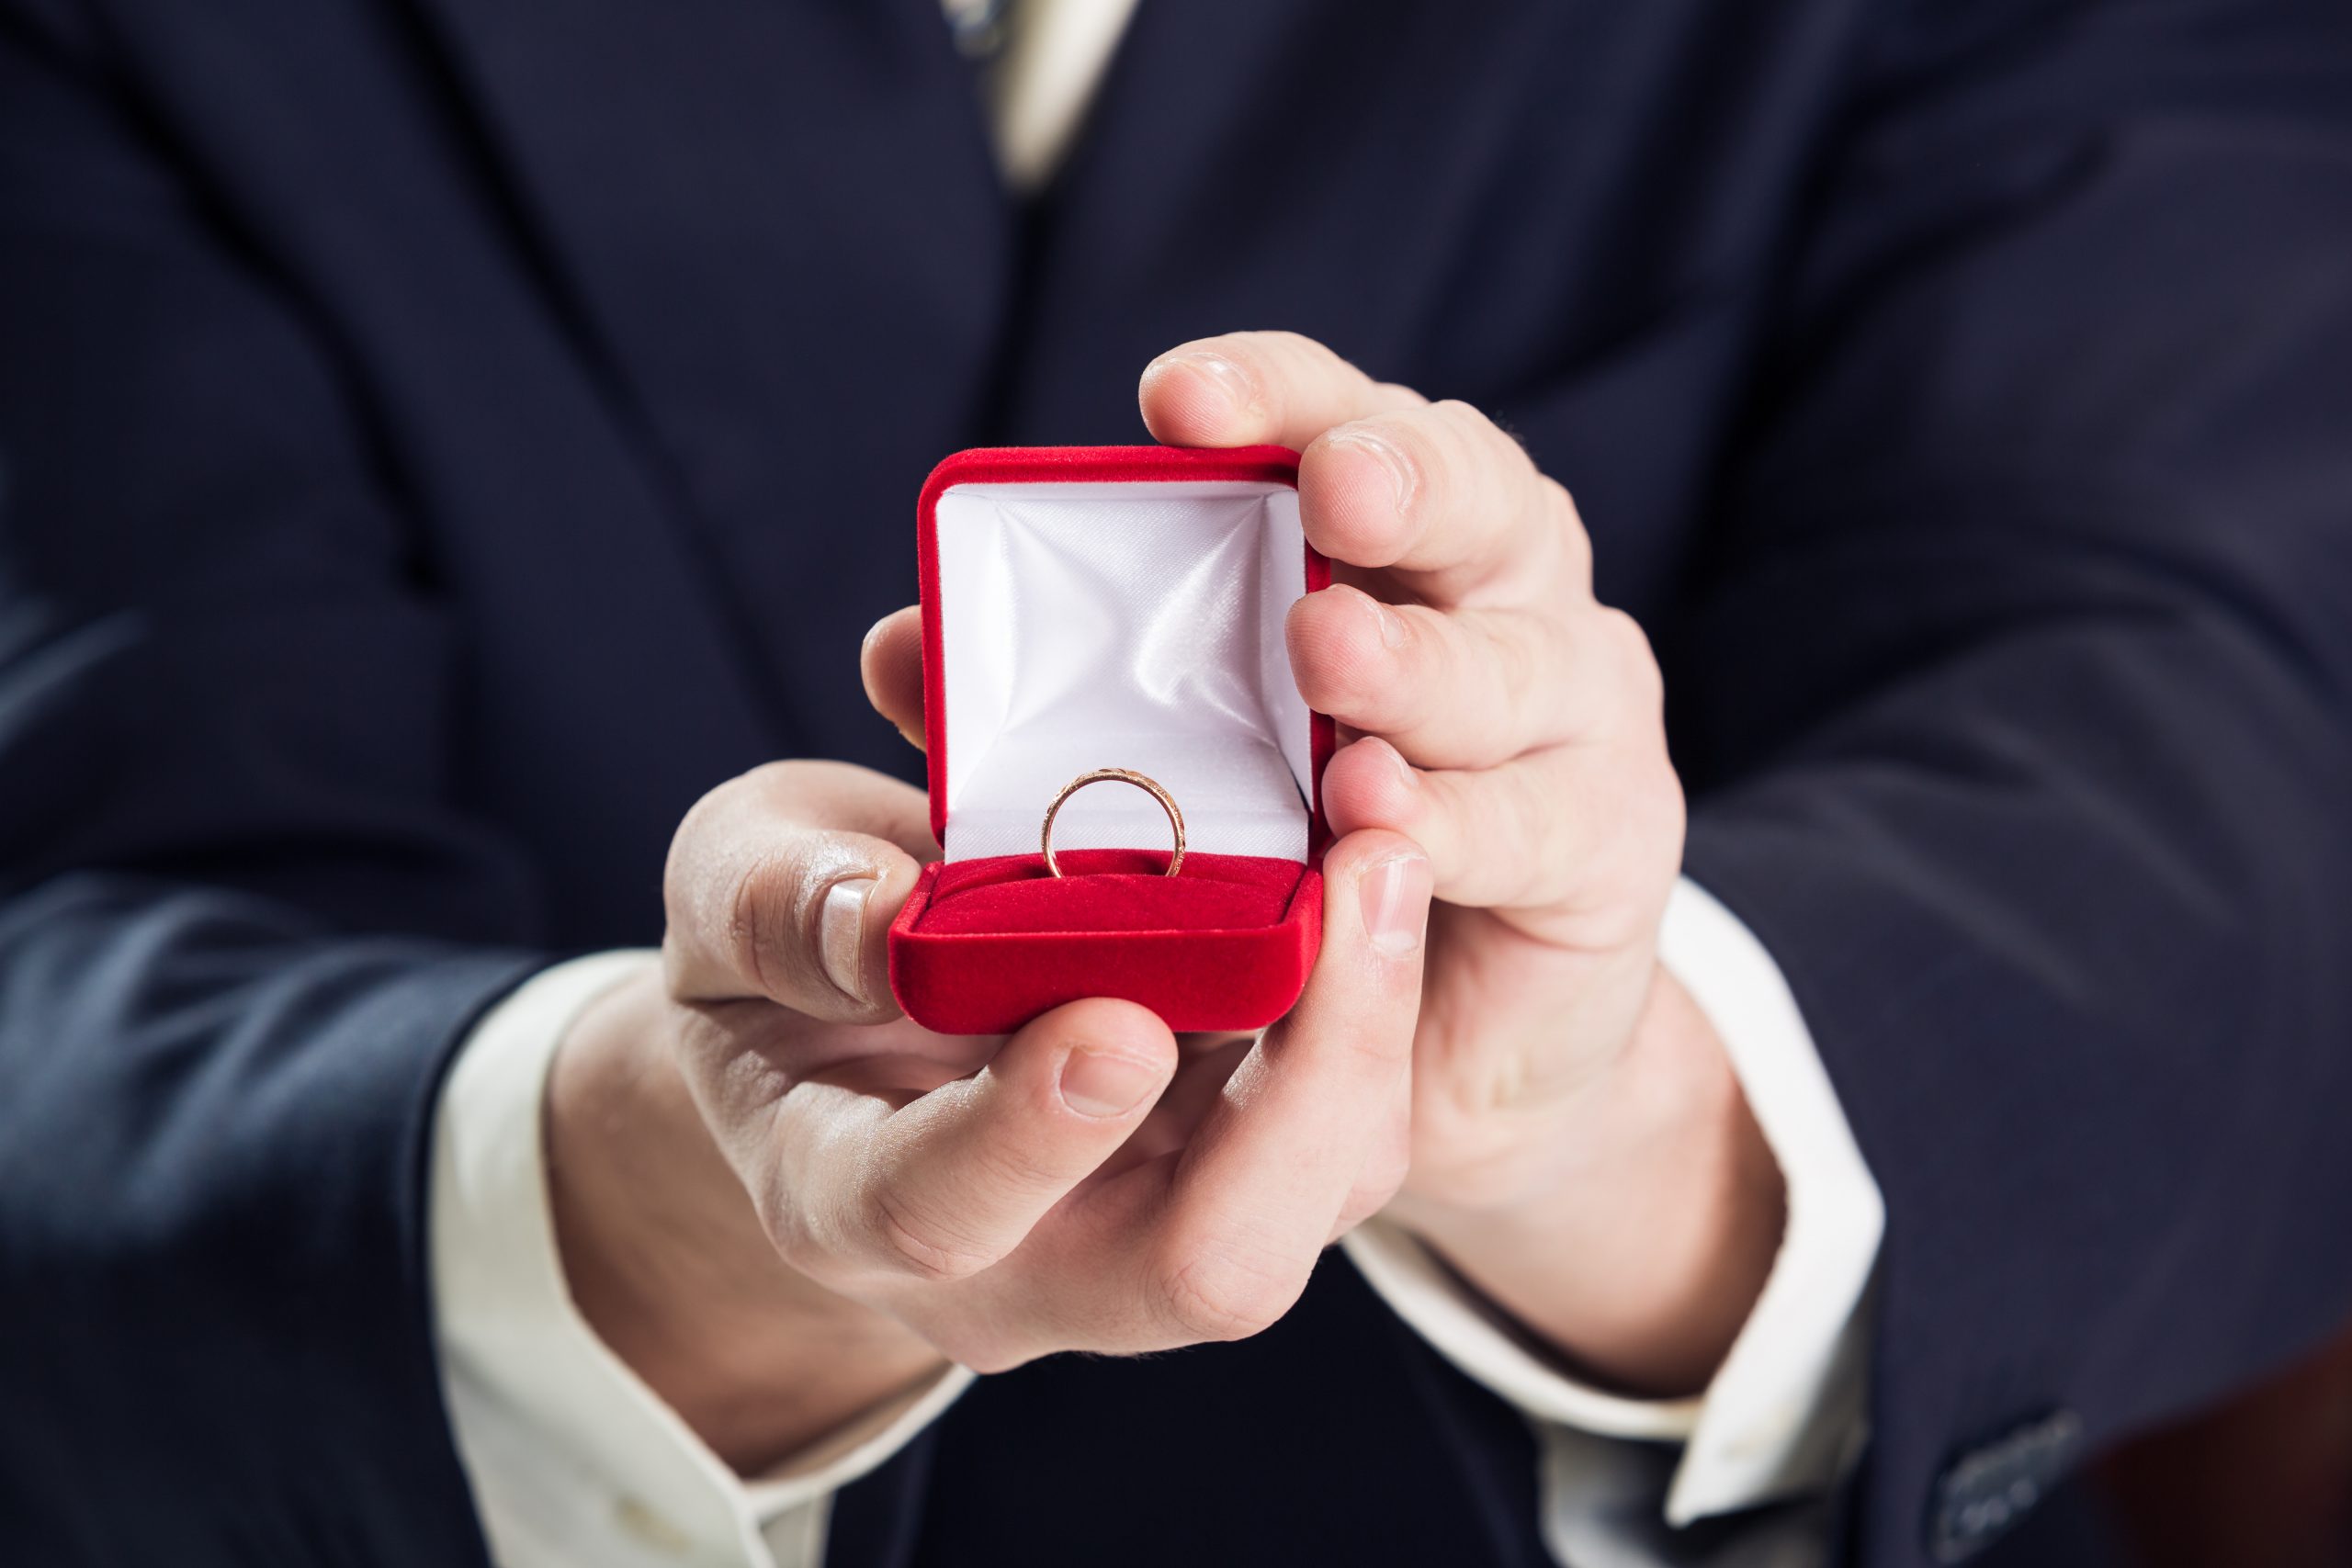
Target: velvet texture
986 944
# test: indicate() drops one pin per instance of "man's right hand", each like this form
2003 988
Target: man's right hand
781 1201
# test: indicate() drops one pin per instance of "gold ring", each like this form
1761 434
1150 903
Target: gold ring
1149 785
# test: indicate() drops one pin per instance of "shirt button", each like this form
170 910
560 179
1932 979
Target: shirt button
647 1527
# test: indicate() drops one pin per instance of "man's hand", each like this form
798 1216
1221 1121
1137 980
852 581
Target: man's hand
1579 1147
780 1201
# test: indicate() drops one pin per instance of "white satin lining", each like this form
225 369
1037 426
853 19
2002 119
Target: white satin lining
1123 626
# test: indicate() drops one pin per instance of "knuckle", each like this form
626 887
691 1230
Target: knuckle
1522 809
1454 435
1670 823
1519 667
1495 448
1215 1294
690 827
1462 416
1413 707
912 1240
1619 680
1390 1165
1310 356
677 964
1624 633
1277 361
685 871
793 1237
1371 1193
1376 1052
1637 660
1563 556
1568 523
1658 810
1384 1169
1424 435
1562 504
1284 341
759 922
1022 1164
1388 1047
781 780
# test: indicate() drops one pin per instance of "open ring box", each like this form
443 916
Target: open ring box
1114 607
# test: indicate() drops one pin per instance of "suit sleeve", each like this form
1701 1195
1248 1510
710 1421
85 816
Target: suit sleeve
2015 701
240 929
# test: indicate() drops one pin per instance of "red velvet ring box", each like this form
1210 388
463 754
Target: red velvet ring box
1090 608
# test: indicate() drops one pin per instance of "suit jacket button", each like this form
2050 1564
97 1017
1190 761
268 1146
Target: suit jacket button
1989 1489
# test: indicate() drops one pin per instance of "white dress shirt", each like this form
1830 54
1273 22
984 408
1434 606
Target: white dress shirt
575 1463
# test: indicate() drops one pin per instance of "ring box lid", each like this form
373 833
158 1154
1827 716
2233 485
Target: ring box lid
1117 606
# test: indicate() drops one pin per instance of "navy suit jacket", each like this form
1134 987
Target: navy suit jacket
441 438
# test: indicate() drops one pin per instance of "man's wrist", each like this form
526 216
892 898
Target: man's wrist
1641 1260
666 1258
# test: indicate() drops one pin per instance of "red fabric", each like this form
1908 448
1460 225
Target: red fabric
984 946
1110 890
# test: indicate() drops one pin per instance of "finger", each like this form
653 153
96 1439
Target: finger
1271 1166
1441 496
1461 689
1495 836
1384 1164
783 884
951 1182
1524 836
1240 388
891 663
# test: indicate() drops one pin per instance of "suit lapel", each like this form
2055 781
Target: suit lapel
779 234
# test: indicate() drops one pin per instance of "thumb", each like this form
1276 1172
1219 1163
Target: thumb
953 1181
782 885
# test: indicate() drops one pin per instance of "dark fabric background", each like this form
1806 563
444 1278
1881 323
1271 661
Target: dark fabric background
438 440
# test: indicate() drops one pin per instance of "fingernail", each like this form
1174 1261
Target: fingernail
1385 452
1407 779
1101 1085
1395 895
1390 624
1239 393
840 935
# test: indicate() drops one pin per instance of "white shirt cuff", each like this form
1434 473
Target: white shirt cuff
572 1458
1783 1416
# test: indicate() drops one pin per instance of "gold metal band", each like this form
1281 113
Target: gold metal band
1149 785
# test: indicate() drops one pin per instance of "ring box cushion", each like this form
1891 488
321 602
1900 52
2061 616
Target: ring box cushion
1123 607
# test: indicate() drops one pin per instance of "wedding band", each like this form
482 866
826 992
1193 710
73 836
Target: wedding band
1150 787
